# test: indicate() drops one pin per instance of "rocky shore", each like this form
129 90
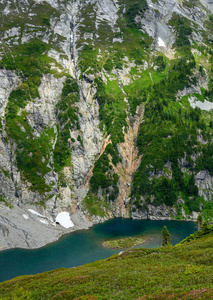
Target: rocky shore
24 227
19 228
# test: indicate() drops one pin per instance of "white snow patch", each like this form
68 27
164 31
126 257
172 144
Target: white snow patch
43 221
206 105
25 216
161 43
35 213
64 220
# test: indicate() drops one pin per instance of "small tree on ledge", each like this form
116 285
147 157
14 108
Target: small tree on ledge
166 240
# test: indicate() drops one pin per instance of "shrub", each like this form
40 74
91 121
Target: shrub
133 11
108 66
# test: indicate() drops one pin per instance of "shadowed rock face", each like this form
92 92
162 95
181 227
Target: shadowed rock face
110 50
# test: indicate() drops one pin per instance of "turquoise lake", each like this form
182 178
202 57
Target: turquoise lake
85 246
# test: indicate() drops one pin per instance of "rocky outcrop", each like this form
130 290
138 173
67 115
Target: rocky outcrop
8 81
8 171
19 228
204 182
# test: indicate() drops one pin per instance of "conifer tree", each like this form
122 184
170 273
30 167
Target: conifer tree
205 227
199 222
166 240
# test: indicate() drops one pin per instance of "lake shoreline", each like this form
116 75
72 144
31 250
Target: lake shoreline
86 246
32 234
17 232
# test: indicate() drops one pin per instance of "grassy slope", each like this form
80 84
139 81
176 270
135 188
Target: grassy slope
180 272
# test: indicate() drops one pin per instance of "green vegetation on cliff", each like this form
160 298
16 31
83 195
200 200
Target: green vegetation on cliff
171 134
67 116
118 68
32 152
168 138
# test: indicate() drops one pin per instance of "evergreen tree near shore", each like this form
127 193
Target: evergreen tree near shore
166 240
199 222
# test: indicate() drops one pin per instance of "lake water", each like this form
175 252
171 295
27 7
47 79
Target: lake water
85 246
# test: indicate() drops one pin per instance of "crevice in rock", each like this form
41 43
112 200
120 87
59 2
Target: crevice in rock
11 170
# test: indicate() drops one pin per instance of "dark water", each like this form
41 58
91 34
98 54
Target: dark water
83 247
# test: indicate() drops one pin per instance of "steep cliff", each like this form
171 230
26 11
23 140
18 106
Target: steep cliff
106 111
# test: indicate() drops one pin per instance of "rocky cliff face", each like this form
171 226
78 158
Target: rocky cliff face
96 112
